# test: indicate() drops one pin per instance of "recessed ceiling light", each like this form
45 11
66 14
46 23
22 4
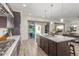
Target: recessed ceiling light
51 22
62 20
24 5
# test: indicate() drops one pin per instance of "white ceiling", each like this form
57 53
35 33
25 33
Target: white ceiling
59 10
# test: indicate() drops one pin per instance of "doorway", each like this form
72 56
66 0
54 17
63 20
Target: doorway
33 30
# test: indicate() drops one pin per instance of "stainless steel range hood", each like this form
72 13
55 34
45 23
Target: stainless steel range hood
4 10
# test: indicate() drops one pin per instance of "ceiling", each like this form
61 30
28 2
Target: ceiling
59 10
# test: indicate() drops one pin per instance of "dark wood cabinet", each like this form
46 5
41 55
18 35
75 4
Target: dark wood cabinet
46 45
42 43
53 48
16 30
63 49
3 22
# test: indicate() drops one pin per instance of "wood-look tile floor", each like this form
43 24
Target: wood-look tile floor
30 48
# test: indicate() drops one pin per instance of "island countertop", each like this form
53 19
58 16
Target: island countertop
57 45
57 38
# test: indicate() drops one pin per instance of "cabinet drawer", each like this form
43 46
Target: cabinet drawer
52 48
52 51
52 43
46 45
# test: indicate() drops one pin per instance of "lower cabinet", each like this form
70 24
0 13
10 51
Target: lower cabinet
63 49
44 44
54 48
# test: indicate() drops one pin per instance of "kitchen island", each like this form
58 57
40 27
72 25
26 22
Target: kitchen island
57 45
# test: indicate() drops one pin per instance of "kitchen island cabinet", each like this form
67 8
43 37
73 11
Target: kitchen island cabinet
52 48
56 46
44 44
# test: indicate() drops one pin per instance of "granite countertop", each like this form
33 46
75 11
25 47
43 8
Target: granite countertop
57 38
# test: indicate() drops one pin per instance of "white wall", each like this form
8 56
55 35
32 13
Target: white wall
38 28
42 24
51 26
24 28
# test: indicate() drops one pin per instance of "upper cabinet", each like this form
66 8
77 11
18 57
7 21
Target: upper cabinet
16 23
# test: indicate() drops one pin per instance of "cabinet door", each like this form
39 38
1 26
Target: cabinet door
16 30
63 49
3 22
42 42
52 48
46 45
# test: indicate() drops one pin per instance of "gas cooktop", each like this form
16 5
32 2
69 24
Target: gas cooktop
5 45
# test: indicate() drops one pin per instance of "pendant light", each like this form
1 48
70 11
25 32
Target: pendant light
51 6
51 11
24 5
45 11
62 20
